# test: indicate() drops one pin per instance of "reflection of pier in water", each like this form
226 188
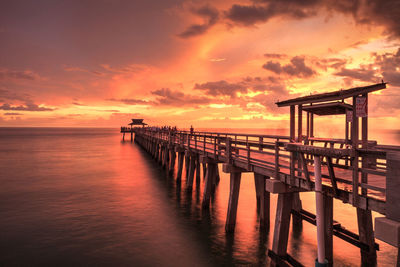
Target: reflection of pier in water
355 170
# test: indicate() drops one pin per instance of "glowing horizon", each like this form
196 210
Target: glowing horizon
216 64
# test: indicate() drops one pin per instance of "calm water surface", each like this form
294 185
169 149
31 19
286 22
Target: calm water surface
83 197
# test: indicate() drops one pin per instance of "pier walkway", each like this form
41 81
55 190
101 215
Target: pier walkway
361 173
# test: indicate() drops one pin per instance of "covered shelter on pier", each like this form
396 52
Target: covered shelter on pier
332 103
137 122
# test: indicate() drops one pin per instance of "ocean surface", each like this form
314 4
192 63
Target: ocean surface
83 197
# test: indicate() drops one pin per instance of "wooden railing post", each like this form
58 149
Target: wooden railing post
277 159
228 150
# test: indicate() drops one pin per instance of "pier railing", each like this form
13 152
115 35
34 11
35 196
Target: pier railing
363 185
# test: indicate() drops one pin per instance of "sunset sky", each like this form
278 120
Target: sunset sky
176 62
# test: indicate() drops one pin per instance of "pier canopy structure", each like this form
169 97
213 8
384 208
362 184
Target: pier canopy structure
332 103
137 122
130 128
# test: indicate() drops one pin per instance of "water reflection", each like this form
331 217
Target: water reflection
83 197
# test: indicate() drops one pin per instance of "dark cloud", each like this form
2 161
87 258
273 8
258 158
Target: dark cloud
385 67
78 69
13 114
334 63
26 107
9 95
129 101
275 55
367 75
296 68
169 97
6 95
262 11
18 75
221 88
389 66
210 16
372 12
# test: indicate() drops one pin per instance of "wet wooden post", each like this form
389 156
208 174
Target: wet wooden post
217 177
264 201
123 136
180 164
204 165
282 224
235 177
160 153
364 217
209 181
354 141
197 167
297 221
192 168
172 159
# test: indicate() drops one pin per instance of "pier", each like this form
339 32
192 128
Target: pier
355 170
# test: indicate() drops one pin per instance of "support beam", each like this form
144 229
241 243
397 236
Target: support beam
197 168
192 168
366 233
282 223
233 201
180 165
354 136
264 201
210 177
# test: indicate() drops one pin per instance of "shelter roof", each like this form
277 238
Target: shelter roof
331 96
332 108
137 122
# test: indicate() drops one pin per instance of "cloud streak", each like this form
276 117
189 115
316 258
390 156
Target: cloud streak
296 68
210 16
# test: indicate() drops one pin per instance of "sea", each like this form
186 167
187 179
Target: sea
85 197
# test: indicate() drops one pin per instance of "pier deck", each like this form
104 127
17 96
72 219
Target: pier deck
355 170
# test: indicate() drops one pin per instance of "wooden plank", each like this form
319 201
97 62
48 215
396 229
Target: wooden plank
319 151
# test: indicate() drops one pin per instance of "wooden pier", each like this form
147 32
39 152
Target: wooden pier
355 170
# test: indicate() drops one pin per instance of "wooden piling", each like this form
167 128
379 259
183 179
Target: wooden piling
264 201
172 159
366 235
235 178
197 157
282 223
180 165
209 182
192 168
